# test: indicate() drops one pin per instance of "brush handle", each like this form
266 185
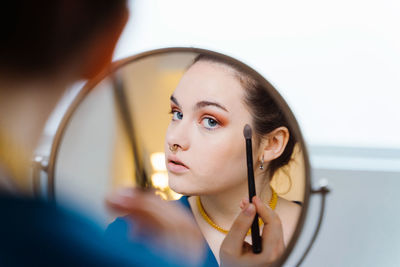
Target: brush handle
250 171
255 235
255 230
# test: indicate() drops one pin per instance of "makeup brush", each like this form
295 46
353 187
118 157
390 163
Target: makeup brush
255 230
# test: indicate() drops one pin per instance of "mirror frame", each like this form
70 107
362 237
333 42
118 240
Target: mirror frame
121 63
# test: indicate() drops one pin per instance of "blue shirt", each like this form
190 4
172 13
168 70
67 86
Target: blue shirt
120 227
38 233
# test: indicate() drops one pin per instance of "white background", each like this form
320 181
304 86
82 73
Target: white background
337 63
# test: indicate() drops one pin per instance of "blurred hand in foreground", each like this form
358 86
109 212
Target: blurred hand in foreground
169 224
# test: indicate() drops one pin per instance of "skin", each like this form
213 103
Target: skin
208 150
208 116
237 252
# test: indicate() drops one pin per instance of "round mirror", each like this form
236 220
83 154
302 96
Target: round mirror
173 119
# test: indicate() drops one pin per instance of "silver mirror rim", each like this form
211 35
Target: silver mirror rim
122 62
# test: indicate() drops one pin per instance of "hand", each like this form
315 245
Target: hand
172 226
236 252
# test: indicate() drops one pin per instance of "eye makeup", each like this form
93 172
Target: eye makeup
210 123
214 114
208 113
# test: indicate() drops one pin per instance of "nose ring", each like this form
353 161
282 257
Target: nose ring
173 148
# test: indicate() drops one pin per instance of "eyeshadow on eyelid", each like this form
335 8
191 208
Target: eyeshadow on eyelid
221 119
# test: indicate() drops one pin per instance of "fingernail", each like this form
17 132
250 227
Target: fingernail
256 199
243 203
249 210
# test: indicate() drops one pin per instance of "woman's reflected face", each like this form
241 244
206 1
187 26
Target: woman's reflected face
205 147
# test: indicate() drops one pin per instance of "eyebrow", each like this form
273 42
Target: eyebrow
173 99
201 104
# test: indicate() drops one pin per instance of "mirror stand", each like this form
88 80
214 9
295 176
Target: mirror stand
40 176
323 190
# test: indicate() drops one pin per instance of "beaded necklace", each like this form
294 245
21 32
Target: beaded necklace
271 204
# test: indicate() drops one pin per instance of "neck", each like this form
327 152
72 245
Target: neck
24 108
223 207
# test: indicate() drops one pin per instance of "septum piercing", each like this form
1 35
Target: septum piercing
173 148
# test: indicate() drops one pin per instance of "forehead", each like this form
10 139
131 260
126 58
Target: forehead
210 81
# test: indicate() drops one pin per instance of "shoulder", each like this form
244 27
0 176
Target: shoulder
289 213
184 200
119 227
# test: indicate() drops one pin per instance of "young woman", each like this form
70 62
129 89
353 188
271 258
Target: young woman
206 153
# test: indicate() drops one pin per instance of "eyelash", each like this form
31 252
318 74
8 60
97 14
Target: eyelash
172 111
210 128
218 124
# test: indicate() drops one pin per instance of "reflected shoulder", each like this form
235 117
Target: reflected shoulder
289 213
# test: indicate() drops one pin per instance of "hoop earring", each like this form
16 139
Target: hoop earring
262 163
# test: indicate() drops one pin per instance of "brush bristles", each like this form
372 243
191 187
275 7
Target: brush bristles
247 131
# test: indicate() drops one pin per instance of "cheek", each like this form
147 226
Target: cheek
167 133
221 160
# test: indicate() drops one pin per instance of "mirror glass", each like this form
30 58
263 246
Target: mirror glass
122 125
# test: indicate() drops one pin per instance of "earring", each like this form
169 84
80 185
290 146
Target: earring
173 148
262 163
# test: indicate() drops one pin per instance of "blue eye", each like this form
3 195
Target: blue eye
176 115
210 123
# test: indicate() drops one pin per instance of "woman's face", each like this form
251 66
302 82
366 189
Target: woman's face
208 116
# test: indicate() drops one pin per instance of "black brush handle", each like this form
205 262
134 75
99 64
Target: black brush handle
255 236
255 229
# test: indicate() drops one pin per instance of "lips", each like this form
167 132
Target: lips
175 165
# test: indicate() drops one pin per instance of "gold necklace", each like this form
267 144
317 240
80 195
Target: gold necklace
271 204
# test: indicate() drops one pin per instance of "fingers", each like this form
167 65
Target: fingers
235 252
270 218
272 234
172 225
137 204
126 198
233 242
148 209
265 212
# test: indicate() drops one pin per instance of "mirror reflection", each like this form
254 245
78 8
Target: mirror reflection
186 112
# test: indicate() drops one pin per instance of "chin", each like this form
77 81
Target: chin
178 188
181 186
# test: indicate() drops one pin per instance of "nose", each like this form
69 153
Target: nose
177 136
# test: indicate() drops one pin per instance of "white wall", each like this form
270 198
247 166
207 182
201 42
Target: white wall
336 62
361 222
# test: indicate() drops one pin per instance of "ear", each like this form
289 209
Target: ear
274 143
100 49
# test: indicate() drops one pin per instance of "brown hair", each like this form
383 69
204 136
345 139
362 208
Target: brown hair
266 114
38 36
